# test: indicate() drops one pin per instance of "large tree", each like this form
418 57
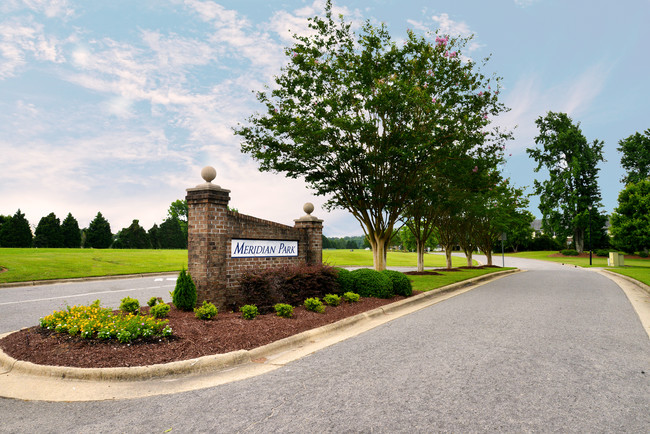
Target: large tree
636 157
48 232
362 118
15 232
98 234
71 232
179 210
572 186
133 237
170 235
631 219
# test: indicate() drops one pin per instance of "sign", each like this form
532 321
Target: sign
263 248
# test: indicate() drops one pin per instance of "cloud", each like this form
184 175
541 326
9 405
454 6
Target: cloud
525 3
50 8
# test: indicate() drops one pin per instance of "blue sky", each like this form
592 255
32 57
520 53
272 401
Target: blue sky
116 106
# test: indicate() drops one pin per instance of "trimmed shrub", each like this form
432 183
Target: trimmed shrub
372 283
289 285
184 295
401 283
314 305
153 301
351 297
129 305
159 310
569 252
601 252
283 310
206 311
643 254
332 299
345 280
249 311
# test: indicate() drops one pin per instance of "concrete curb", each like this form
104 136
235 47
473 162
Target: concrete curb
85 279
641 285
217 362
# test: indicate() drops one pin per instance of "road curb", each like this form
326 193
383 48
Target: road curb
640 284
85 279
217 362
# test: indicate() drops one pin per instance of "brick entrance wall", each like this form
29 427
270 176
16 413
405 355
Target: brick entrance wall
211 227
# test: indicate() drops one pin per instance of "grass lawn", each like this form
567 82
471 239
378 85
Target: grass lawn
363 258
427 283
44 264
638 269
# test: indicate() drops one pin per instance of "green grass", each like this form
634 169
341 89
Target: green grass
45 264
363 258
428 283
638 269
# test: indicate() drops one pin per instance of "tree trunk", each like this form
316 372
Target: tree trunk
419 247
579 239
468 254
378 245
448 250
488 254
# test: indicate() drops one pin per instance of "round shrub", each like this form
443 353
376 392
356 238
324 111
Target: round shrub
372 283
315 305
601 252
351 297
569 252
332 299
129 305
249 311
159 310
401 283
345 279
184 295
206 311
283 310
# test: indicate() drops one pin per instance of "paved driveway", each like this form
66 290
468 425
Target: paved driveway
552 349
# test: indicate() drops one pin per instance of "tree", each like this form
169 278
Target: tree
170 235
572 185
153 236
636 157
179 210
71 233
362 118
631 219
48 232
133 237
15 232
98 234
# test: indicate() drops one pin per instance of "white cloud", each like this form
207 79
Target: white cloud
20 39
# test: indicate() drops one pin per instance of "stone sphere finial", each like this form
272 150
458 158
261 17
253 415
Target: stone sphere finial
208 173
308 208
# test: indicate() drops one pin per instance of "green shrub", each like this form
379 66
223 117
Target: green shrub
569 252
351 297
129 305
601 252
372 283
643 254
332 299
401 283
206 311
153 301
184 295
315 305
283 310
249 311
345 279
159 310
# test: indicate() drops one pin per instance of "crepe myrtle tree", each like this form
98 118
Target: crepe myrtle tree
363 118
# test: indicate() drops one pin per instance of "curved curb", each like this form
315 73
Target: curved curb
218 362
638 283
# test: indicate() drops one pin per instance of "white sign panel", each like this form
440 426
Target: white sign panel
263 248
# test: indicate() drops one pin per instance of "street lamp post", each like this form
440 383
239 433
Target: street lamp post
589 208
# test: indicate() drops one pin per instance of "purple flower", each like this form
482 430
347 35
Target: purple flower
475 169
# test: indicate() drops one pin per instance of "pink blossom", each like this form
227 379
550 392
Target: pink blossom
480 94
509 155
295 54
485 116
433 100
475 169
453 54
442 41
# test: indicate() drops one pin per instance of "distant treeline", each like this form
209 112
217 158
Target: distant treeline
359 242
15 231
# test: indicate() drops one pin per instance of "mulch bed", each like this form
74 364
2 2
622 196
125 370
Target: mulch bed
192 338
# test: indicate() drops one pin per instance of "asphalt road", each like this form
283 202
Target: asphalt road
23 306
553 349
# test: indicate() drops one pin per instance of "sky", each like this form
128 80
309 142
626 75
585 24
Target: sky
115 106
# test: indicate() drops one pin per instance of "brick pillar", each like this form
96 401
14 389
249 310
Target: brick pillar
313 229
207 236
